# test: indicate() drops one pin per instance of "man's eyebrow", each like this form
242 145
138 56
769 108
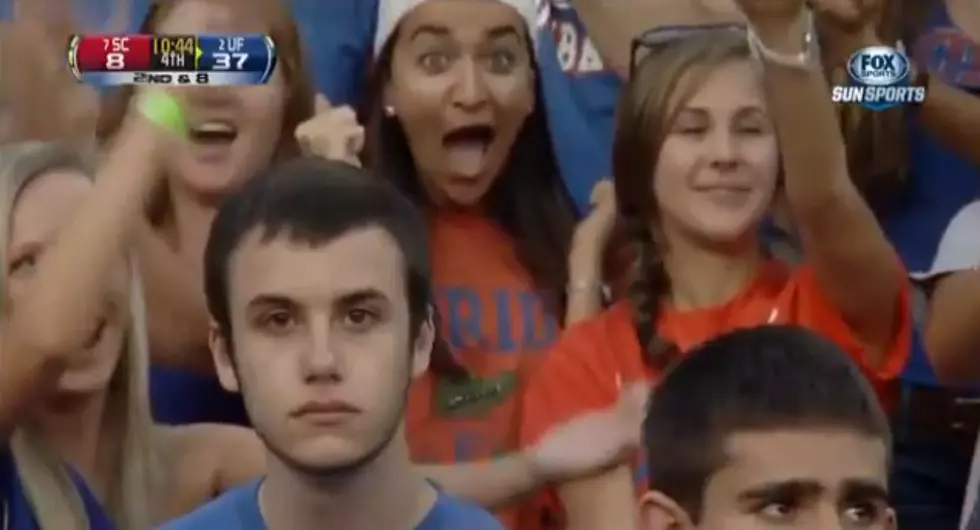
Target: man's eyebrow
267 299
360 296
788 489
864 490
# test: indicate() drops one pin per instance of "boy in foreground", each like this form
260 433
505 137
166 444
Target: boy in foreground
770 427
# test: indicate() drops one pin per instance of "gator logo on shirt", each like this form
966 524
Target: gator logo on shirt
473 398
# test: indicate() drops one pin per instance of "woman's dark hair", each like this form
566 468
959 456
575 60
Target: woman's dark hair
660 86
528 201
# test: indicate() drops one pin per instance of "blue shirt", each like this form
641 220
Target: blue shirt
941 181
580 96
18 510
238 509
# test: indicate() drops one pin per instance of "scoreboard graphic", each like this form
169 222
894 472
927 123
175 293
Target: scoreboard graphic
172 60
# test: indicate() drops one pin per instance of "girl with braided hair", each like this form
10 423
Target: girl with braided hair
707 137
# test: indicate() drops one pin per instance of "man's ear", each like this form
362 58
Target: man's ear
422 348
660 512
221 354
891 520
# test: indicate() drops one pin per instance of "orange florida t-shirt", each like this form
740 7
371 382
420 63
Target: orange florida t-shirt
582 372
497 326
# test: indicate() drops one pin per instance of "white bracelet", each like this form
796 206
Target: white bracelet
586 286
802 60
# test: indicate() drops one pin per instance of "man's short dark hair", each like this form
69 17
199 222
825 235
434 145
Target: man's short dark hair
752 380
315 201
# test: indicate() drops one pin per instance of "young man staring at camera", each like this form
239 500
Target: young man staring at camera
770 427
317 280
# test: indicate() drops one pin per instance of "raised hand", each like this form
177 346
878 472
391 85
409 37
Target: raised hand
332 133
846 26
771 12
593 231
594 441
848 15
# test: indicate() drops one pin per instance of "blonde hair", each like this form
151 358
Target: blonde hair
134 483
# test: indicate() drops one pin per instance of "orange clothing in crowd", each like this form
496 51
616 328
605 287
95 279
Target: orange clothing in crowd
582 372
498 328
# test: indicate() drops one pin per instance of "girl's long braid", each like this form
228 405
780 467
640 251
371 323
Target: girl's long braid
648 283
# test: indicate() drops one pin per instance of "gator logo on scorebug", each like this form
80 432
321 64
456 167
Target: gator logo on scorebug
880 78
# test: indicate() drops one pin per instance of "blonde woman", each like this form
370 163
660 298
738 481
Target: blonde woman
35 491
74 352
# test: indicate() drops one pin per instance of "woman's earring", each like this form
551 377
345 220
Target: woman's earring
389 111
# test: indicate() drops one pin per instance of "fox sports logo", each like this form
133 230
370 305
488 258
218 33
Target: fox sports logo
880 78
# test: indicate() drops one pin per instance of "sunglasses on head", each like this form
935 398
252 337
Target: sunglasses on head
655 39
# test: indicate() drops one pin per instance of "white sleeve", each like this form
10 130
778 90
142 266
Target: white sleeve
959 248
972 487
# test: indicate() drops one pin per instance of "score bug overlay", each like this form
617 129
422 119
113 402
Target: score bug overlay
172 60
880 78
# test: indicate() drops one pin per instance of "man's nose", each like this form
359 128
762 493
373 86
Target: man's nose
322 358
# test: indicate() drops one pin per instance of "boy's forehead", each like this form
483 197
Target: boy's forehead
826 456
359 260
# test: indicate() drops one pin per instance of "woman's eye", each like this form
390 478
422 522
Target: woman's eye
692 130
23 264
434 61
502 61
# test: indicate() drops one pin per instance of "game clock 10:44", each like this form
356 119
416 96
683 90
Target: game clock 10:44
880 78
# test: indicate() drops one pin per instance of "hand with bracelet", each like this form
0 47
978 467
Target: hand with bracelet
845 26
779 30
585 289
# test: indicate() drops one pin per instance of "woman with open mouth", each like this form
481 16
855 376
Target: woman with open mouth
234 132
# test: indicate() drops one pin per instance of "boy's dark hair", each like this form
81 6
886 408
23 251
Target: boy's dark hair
315 201
757 379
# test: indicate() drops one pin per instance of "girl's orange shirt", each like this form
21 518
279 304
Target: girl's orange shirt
585 368
498 328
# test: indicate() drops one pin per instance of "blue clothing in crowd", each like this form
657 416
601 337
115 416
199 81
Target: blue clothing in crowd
941 181
15 510
580 96
238 509
929 472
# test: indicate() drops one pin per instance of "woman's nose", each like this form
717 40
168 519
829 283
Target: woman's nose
469 91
